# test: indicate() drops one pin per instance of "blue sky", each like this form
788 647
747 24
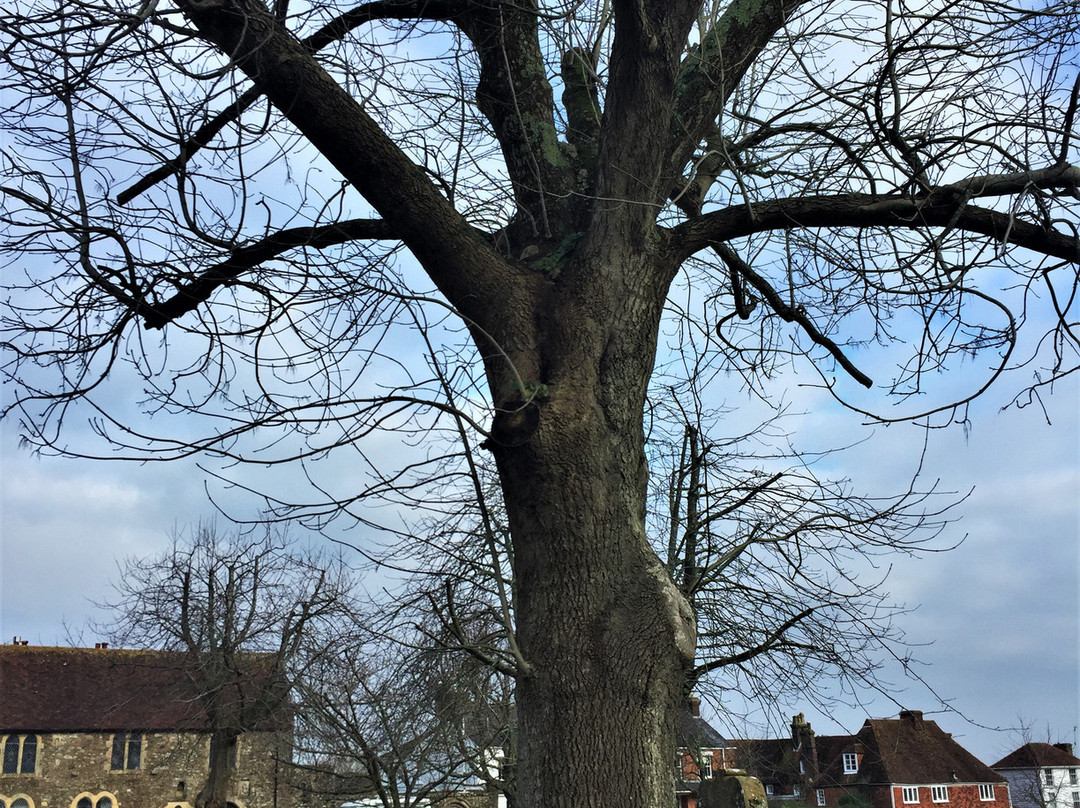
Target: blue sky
997 624
997 628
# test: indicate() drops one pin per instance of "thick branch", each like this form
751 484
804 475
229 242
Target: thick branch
632 182
189 147
190 295
339 27
770 642
740 269
944 209
712 72
333 31
466 269
515 97
1061 175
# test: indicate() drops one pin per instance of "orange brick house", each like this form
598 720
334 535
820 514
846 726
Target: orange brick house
110 728
905 762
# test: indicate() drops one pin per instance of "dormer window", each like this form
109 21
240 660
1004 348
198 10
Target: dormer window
851 763
706 766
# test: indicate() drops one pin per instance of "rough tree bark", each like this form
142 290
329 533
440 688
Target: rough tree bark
607 636
564 304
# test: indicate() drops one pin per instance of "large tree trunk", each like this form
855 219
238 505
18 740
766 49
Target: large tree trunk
606 634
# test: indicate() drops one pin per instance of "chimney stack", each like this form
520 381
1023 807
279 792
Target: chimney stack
805 746
1067 748
694 705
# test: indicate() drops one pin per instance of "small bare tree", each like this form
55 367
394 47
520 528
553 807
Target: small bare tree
246 616
403 725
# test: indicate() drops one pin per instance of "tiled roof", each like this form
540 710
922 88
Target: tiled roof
694 732
907 750
1037 755
96 690
769 759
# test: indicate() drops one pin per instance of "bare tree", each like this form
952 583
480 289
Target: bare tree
821 176
404 726
246 616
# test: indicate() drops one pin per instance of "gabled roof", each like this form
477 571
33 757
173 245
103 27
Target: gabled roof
97 690
907 750
694 732
1037 756
769 759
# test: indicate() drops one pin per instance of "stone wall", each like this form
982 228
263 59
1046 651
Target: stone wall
172 770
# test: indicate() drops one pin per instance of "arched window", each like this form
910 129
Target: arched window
103 800
16 802
20 754
29 756
11 755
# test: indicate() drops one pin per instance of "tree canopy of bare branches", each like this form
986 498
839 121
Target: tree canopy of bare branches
249 618
295 227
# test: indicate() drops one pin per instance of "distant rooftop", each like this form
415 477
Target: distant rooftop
694 732
49 689
912 749
1039 755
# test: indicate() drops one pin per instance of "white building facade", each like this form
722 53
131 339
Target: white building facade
1042 775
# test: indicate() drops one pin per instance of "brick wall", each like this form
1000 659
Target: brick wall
959 796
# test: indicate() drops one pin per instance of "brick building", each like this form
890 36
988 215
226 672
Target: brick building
110 728
905 762
703 752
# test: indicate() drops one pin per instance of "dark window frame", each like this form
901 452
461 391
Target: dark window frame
126 752
20 755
